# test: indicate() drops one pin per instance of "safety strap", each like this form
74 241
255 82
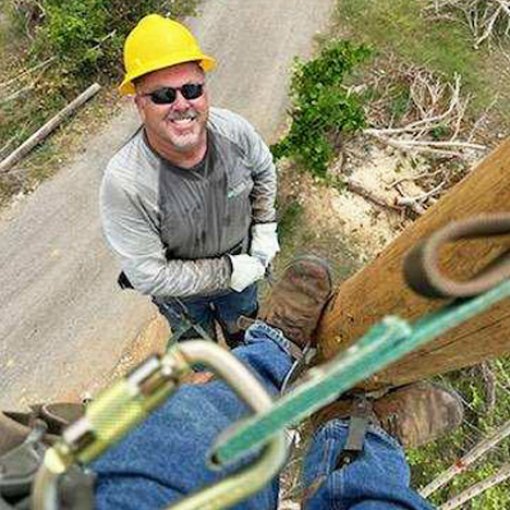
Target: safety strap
384 343
302 360
187 325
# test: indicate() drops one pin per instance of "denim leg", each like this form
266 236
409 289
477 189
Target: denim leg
179 313
377 480
229 307
164 458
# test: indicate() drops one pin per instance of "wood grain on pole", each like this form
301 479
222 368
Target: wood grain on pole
45 130
379 289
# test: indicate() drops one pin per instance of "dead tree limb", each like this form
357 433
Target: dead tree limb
428 93
27 71
477 489
461 465
357 188
43 132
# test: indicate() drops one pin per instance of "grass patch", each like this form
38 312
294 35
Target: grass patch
402 28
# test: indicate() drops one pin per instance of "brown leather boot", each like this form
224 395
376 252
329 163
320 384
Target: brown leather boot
414 415
297 300
419 413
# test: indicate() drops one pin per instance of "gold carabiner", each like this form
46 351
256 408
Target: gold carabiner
129 401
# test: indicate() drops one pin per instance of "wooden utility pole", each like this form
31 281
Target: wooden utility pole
379 289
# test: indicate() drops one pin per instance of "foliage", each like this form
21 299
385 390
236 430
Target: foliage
87 35
322 107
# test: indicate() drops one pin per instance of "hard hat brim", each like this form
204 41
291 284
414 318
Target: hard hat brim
206 63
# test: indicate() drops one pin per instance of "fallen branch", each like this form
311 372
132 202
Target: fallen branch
417 203
477 489
487 19
17 94
428 94
413 178
412 146
43 132
27 71
357 188
461 465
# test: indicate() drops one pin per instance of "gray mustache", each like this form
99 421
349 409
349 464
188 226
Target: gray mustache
188 114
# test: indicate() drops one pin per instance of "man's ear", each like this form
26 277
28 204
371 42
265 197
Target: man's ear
139 101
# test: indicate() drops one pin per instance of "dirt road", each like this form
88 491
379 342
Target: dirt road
63 321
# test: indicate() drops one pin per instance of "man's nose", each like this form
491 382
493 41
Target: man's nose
180 103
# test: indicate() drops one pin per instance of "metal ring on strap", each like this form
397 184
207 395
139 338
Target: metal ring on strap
421 265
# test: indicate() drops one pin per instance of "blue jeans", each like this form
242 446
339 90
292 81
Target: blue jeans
225 307
165 457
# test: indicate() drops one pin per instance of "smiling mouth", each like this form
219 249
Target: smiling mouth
183 122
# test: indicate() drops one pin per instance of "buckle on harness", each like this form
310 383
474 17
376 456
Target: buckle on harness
361 412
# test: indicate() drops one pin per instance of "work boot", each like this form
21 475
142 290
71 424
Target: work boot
297 300
414 415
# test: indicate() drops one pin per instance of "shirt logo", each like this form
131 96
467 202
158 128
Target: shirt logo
237 190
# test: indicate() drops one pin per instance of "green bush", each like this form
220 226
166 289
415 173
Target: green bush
87 35
322 107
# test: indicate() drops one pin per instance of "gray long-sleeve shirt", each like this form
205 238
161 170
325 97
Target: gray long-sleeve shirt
171 227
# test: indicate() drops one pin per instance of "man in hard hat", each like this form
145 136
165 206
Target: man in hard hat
188 203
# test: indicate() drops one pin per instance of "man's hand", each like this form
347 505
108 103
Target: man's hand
264 242
245 271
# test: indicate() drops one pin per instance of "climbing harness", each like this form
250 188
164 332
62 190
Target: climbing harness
120 407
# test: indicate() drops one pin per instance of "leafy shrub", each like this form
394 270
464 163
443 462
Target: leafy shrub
322 108
87 35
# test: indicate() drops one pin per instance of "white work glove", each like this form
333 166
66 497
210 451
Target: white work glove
245 271
264 242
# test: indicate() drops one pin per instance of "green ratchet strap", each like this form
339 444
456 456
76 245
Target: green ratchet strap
386 342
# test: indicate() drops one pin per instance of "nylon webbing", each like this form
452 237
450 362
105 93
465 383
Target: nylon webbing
385 343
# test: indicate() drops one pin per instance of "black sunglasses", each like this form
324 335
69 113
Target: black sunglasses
167 95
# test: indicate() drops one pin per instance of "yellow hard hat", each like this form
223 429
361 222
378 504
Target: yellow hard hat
155 43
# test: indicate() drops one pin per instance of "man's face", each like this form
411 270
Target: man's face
180 124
